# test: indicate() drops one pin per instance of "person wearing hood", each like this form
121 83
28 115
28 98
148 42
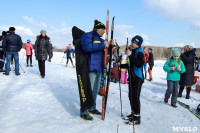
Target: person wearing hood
187 78
41 50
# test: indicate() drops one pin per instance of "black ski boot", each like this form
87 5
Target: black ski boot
96 112
87 117
188 93
128 117
180 91
135 121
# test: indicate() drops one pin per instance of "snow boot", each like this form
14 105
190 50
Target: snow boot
86 117
166 100
27 65
174 105
150 79
18 74
180 91
96 112
188 93
73 65
66 65
31 65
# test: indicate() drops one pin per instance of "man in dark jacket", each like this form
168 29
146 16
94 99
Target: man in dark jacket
2 52
93 44
12 44
187 78
136 77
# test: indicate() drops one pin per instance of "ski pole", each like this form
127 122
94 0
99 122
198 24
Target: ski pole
22 68
130 88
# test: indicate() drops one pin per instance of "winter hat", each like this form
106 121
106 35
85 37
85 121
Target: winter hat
175 52
188 48
12 29
43 31
4 33
98 25
144 48
138 40
28 41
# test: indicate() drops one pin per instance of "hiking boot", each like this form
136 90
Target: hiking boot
96 112
174 105
5 74
86 117
166 100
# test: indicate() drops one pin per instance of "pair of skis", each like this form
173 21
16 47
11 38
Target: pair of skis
105 86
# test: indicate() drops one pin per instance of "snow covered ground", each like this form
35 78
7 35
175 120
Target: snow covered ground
30 104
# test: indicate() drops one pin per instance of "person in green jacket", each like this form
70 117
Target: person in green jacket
174 67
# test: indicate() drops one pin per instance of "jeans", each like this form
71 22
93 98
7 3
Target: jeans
8 59
95 79
172 88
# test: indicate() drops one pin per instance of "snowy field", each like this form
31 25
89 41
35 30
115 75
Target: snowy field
30 104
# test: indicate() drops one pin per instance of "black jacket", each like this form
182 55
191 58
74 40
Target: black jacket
151 60
42 47
188 60
12 42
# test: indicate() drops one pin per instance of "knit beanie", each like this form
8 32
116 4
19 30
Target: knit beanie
175 52
98 25
138 40
188 48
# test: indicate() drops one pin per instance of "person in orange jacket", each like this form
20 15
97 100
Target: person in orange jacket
146 59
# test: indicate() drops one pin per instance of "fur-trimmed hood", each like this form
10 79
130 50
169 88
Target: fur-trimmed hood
40 36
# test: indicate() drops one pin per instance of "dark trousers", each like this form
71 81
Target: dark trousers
134 95
27 59
41 65
70 60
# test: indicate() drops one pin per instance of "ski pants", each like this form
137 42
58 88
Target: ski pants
27 59
95 79
172 88
134 95
150 70
41 65
70 60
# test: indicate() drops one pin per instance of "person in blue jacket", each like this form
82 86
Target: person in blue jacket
68 54
94 45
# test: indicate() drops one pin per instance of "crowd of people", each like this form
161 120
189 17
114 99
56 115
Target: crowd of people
180 67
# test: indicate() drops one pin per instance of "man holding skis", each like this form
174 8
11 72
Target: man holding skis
94 45
136 77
